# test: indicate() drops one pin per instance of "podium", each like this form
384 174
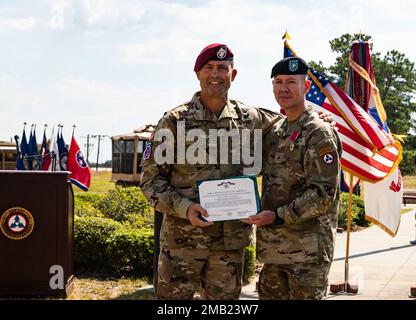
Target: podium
36 233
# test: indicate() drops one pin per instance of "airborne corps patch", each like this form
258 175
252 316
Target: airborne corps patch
147 151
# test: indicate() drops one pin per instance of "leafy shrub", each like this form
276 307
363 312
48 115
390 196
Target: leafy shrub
105 246
131 250
249 264
357 211
87 210
127 204
88 197
91 235
86 205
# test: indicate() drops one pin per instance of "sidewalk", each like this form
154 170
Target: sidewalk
383 267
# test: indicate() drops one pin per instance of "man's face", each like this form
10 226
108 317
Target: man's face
290 90
215 78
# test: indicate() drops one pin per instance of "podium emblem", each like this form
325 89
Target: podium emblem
17 223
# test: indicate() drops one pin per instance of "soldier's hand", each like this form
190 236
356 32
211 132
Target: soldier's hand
194 213
327 117
263 218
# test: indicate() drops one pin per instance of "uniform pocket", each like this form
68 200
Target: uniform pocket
165 268
310 245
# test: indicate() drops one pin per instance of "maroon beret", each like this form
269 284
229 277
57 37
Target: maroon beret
215 51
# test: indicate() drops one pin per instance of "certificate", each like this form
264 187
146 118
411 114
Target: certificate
229 199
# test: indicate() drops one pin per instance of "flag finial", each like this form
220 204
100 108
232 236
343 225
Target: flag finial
73 129
361 35
286 36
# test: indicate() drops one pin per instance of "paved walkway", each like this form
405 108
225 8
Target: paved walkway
382 266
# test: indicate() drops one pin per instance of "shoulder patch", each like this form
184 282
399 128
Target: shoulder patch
147 150
325 150
328 158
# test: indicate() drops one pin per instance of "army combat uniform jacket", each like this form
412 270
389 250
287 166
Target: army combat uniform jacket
301 170
171 188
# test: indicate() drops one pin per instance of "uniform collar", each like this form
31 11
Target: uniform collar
202 113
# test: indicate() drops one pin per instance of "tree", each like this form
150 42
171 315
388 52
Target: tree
395 78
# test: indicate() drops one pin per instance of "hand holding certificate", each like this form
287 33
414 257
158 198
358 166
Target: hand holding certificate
229 199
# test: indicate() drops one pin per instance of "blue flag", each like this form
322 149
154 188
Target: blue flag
33 152
63 151
30 151
23 151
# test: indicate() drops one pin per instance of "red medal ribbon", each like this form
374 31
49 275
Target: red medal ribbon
294 135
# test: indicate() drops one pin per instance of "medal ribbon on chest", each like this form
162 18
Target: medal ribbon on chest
293 138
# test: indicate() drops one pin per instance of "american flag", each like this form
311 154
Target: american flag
368 152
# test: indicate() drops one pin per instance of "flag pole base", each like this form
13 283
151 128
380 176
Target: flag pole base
413 291
342 287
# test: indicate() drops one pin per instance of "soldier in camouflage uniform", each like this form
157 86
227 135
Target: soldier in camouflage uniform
195 253
300 193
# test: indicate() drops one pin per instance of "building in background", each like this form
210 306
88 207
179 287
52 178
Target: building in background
8 155
127 152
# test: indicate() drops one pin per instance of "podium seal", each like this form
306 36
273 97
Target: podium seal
16 223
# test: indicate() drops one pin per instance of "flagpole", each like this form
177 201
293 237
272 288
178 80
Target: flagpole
73 129
51 146
348 234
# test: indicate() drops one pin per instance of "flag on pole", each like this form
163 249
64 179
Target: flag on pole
30 149
54 150
62 151
383 202
345 183
383 199
369 152
45 153
36 158
80 172
20 161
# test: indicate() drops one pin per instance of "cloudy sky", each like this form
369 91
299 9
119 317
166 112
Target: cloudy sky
110 66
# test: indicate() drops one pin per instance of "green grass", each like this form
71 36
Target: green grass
86 288
409 182
100 182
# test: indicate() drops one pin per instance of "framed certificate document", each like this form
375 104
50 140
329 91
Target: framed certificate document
229 199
